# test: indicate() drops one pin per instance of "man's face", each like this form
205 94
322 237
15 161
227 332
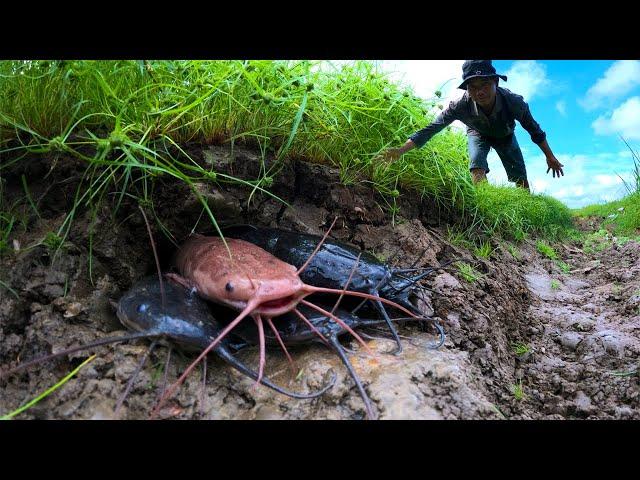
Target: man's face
482 91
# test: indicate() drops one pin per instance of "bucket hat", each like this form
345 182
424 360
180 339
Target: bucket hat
478 69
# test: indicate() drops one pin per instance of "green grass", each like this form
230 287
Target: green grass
128 119
555 284
459 238
597 241
47 392
157 370
28 196
521 348
518 391
53 241
633 187
484 250
515 213
622 239
564 267
626 374
547 250
624 214
514 251
11 290
498 411
469 273
6 226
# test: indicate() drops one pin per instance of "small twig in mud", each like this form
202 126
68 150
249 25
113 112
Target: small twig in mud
278 373
155 254
625 374
133 378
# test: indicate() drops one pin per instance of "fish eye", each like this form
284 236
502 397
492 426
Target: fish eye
142 308
228 287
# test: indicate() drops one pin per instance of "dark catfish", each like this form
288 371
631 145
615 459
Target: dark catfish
184 320
334 263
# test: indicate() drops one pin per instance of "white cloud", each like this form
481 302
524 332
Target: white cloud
527 78
561 106
607 180
624 121
539 185
620 79
428 76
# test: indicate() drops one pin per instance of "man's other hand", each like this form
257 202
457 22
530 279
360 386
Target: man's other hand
555 165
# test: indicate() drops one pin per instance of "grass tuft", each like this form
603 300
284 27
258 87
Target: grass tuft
469 273
547 250
521 348
518 391
53 241
484 250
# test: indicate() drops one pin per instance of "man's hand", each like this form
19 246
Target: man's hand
390 155
555 165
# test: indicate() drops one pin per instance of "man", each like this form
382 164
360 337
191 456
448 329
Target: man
489 112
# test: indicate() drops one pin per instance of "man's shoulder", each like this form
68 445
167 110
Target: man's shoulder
457 104
510 96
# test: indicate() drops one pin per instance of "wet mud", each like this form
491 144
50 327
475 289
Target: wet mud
524 339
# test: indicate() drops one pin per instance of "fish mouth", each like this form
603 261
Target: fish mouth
126 321
279 306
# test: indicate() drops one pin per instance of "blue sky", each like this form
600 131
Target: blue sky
584 106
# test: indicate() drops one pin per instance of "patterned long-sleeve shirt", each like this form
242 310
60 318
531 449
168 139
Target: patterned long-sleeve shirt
499 124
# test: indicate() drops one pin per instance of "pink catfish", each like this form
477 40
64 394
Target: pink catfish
249 279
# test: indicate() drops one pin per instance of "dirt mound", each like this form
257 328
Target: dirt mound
59 302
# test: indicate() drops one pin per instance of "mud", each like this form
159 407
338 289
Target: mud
580 330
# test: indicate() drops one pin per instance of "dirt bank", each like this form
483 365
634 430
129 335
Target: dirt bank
576 337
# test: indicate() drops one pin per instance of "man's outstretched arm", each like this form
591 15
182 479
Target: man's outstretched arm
522 113
394 153
418 139
552 162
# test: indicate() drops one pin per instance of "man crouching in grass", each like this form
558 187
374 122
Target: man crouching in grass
489 112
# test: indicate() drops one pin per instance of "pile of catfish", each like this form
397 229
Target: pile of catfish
359 358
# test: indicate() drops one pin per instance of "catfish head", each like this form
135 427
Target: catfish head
250 276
